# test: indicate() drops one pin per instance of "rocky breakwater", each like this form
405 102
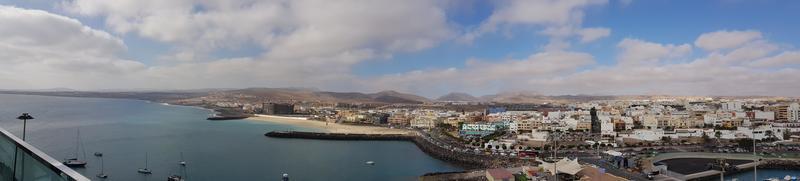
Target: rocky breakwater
786 164
464 159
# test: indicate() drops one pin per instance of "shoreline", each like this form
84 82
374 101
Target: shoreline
327 126
465 161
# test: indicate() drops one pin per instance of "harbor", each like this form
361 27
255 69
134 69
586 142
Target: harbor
464 159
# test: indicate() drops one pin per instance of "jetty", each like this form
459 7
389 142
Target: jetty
466 160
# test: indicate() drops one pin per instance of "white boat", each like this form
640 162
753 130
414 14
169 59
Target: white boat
370 163
144 170
102 169
75 162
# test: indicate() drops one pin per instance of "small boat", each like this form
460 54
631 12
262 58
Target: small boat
182 162
370 163
74 162
98 154
175 178
102 169
285 177
144 170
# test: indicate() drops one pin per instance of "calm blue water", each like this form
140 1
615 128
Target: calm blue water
765 174
124 130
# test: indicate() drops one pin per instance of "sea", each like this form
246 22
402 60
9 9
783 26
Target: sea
764 174
133 134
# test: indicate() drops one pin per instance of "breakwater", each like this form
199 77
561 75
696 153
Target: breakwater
462 159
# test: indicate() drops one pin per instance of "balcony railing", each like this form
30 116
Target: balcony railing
19 161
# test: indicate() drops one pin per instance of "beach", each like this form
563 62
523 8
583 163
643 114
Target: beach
329 127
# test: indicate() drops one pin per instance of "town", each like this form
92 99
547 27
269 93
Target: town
590 140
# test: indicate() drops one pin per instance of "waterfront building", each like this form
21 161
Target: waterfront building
399 119
277 108
477 129
425 121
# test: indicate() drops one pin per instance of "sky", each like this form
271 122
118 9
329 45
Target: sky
424 47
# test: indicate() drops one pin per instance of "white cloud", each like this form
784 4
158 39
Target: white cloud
482 75
642 67
783 59
592 34
721 40
639 52
287 29
560 19
305 42
40 49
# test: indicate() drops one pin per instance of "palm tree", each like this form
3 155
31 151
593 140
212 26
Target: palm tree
769 134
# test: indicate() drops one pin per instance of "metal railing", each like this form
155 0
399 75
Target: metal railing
20 161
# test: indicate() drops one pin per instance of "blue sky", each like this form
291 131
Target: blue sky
658 21
429 47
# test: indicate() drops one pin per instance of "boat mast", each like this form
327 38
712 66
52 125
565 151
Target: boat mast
102 166
183 168
77 143
82 146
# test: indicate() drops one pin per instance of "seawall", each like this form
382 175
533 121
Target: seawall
461 159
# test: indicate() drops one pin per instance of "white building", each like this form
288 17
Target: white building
793 112
649 122
731 106
424 122
765 115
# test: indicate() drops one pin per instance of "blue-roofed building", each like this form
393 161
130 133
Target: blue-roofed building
477 129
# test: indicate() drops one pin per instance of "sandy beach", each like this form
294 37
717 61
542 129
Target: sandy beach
329 127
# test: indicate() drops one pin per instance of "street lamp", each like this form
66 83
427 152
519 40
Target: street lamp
24 117
755 168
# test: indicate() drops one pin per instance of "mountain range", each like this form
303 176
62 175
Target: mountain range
315 95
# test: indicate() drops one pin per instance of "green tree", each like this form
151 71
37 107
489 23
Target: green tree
769 134
786 134
666 139
745 143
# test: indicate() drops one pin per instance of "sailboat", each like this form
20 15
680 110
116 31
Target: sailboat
75 162
182 164
102 168
145 170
